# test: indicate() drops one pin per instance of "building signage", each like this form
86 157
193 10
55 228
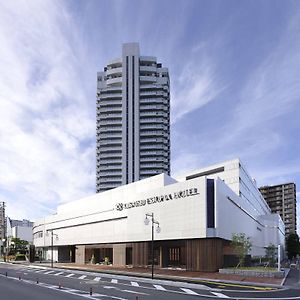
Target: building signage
158 199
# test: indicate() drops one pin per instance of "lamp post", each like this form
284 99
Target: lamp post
52 234
151 215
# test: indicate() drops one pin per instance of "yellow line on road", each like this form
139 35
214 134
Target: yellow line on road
223 284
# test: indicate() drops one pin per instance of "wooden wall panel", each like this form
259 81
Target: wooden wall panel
204 255
140 253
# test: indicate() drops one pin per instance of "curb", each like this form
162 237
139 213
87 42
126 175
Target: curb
195 280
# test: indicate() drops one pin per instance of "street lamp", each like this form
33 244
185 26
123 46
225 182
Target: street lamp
151 215
52 234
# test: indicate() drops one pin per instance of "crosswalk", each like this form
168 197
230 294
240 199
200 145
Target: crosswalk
114 281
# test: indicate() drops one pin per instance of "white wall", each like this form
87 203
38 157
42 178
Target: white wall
235 216
96 219
178 218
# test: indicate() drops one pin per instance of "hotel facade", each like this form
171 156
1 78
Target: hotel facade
197 215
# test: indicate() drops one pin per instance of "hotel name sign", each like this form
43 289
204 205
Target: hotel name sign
158 199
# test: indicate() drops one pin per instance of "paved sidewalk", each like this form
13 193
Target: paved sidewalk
171 274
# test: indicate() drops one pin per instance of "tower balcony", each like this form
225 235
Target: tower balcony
114 81
114 71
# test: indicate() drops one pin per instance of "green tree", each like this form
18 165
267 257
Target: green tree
292 245
18 245
271 254
242 245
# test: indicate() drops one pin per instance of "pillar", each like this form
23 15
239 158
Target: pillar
80 255
119 255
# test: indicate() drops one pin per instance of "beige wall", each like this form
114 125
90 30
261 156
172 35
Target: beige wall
119 255
80 254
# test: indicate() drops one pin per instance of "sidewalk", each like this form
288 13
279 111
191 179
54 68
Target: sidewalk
171 274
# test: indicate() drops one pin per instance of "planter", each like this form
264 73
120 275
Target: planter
253 273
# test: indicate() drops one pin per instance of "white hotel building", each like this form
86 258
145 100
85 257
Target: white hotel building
197 216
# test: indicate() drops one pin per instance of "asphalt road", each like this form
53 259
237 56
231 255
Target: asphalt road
25 282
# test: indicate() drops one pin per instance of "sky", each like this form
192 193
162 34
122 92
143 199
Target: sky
235 89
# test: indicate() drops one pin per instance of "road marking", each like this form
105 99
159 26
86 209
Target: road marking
134 292
114 281
159 287
49 272
39 271
241 286
75 292
82 277
188 291
220 295
58 273
97 278
133 283
70 275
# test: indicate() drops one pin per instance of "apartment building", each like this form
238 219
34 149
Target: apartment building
282 200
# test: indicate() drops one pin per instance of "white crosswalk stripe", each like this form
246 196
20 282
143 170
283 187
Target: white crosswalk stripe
58 273
159 287
188 291
82 277
133 283
220 295
70 275
49 272
97 278
114 281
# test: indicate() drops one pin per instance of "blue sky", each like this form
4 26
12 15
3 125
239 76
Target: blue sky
235 89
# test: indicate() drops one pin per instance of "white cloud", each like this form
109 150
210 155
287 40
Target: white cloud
269 98
198 82
47 124
273 89
196 86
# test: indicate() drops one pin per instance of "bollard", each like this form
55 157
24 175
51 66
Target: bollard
37 281
5 274
59 286
91 291
19 277
136 298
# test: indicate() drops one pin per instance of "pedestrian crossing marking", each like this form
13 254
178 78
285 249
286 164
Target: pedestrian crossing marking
49 272
58 273
70 275
188 291
220 295
114 281
133 283
97 278
159 287
82 277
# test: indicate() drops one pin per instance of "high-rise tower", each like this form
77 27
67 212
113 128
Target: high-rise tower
282 200
133 119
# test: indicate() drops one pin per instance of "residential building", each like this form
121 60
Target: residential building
282 200
133 119
197 216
